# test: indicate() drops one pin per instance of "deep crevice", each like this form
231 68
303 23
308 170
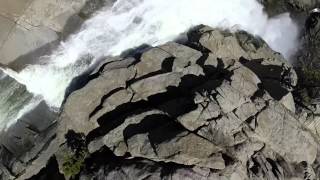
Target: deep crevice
275 169
148 124
166 67
100 106
50 172
175 98
106 162
201 61
227 159
273 77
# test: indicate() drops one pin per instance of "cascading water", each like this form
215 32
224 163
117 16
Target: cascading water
130 23
14 100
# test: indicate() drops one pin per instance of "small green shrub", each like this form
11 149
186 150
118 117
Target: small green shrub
73 163
75 154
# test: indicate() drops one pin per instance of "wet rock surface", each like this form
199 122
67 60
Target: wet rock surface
30 29
219 106
22 142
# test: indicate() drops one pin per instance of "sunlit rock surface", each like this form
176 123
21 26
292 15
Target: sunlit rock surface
31 28
218 106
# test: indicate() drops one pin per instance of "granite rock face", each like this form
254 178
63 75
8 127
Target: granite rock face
30 133
219 106
31 28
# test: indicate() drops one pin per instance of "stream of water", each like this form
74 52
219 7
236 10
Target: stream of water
128 24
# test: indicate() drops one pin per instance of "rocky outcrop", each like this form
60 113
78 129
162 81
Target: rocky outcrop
23 135
307 93
219 106
275 7
306 61
31 28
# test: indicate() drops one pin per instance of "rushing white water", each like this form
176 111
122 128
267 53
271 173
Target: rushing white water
15 101
130 23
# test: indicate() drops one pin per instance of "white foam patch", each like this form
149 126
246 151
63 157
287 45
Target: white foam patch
130 23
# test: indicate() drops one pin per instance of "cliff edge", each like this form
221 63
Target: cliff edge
218 105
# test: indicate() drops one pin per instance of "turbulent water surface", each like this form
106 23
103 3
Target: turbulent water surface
130 23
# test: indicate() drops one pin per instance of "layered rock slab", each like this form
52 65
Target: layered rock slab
218 106
220 102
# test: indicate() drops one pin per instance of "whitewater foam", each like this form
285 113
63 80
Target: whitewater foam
130 23
15 101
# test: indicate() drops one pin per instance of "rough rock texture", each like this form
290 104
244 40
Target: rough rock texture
307 93
275 7
23 141
30 28
217 107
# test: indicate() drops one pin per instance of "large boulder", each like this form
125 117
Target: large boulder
218 106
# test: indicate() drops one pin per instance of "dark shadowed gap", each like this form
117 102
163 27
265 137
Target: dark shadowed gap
50 172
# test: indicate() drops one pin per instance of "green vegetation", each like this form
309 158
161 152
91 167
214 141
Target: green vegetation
73 163
75 154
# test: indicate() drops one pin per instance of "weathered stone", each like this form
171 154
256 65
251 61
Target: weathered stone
246 111
245 80
199 117
278 128
276 7
90 96
13 9
221 111
22 41
192 70
111 103
51 14
154 85
152 61
5 28
288 102
230 98
223 131
28 25
245 150
215 61
116 136
184 54
117 64
224 47
187 149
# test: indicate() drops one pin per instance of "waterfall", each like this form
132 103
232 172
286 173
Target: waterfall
14 101
130 23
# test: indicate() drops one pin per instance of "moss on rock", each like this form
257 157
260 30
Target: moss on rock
73 163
